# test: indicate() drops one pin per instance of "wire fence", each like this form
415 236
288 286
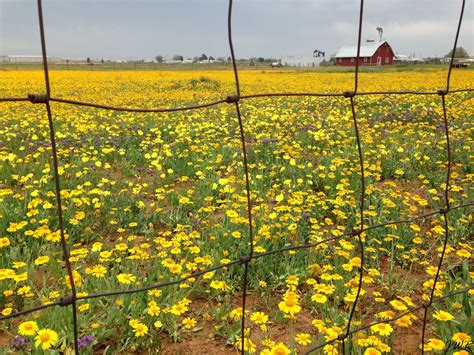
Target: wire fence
71 300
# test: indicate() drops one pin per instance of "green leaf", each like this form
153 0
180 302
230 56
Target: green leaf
466 305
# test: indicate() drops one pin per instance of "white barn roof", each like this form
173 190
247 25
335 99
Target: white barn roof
366 50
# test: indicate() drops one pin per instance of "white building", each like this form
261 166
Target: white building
22 58
406 59
27 59
75 60
301 61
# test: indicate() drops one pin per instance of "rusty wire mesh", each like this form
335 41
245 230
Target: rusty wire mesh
70 300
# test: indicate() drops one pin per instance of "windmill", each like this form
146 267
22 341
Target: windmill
380 31
318 53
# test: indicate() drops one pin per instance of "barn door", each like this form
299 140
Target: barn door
379 61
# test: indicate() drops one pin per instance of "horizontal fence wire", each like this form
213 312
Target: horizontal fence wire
245 261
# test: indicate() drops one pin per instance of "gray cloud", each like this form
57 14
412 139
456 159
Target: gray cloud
142 29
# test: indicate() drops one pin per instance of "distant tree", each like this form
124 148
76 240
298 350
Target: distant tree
221 59
159 59
261 59
229 59
195 59
460 53
178 57
211 57
203 57
88 60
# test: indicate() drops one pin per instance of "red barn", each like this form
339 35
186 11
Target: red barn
371 53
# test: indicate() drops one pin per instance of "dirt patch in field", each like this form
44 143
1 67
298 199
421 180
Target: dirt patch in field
4 341
201 343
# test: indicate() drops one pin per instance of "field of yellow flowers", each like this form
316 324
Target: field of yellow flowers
153 197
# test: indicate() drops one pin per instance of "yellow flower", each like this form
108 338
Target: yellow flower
175 268
405 321
236 313
249 346
303 338
47 338
462 352
289 305
41 260
292 280
399 306
154 310
178 309
382 329
28 328
77 278
18 264
7 311
461 337
259 318
97 246
155 293
319 298
463 253
220 285
139 329
4 242
83 307
98 271
126 278
443 316
372 351
280 349
184 200
232 214
333 333
188 322
330 349
435 344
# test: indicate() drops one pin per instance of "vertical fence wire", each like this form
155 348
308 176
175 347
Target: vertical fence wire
70 300
357 232
248 258
444 211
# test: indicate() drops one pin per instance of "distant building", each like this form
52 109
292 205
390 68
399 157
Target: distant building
301 61
75 60
27 59
406 59
371 53
22 58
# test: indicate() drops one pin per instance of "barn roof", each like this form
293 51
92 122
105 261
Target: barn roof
366 50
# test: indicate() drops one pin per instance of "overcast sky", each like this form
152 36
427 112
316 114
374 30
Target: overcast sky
135 29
